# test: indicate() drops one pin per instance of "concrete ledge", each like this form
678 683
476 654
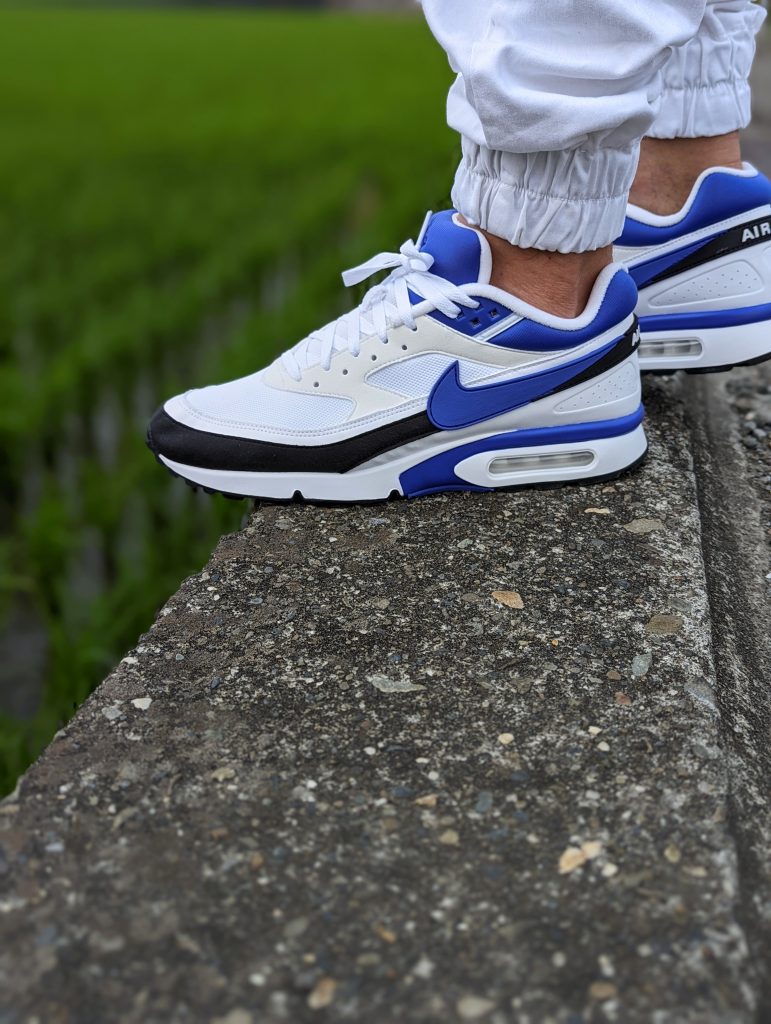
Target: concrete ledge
341 779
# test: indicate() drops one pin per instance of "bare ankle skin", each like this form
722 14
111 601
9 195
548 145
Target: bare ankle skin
556 282
668 169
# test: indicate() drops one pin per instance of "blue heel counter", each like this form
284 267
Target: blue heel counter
620 298
617 305
720 196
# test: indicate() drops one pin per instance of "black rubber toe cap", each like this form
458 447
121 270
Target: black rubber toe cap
190 447
176 441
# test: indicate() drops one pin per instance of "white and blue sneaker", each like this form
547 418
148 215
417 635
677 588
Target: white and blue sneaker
704 275
438 381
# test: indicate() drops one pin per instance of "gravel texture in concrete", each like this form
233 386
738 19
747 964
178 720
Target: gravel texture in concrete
458 759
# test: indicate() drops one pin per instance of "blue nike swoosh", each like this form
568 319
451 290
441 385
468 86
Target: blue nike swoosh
452 406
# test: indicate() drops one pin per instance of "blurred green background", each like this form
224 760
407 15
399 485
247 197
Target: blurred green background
179 191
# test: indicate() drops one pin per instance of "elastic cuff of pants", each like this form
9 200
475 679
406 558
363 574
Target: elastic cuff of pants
696 112
564 201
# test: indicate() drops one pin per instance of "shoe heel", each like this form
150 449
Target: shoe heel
704 349
575 453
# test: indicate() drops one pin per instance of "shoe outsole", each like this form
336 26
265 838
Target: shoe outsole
299 499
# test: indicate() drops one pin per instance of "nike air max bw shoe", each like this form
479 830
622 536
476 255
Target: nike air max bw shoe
438 381
704 274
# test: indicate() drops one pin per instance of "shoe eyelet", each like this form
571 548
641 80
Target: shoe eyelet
493 314
315 383
345 372
475 322
374 358
404 348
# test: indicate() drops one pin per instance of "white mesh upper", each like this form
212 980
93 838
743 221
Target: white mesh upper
251 402
414 377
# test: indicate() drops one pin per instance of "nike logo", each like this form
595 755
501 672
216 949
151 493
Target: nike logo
755 232
452 406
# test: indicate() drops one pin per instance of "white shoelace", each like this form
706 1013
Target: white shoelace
385 305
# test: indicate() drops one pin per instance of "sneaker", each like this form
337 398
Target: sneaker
437 381
704 275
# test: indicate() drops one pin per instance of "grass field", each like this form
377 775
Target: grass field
178 193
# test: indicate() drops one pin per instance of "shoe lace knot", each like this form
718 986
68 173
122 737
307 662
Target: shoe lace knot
387 304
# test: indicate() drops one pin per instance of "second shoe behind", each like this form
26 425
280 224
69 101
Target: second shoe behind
704 274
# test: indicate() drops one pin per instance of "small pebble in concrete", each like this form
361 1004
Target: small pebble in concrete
386 685
640 664
575 856
505 739
484 802
142 703
323 994
695 871
509 598
643 526
223 774
111 713
424 968
598 511
449 838
601 991
429 800
386 934
474 1007
237 1016
702 692
664 625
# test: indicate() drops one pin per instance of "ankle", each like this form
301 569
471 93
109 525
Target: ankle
668 169
556 282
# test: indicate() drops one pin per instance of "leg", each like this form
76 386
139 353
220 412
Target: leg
706 100
551 101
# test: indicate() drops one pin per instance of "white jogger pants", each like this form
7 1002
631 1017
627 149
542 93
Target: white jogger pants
552 98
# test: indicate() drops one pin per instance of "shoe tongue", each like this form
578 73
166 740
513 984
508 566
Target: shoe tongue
461 254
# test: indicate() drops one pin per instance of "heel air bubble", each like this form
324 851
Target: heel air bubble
533 455
671 348
519 463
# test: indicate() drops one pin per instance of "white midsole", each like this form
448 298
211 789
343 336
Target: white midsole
704 347
503 467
